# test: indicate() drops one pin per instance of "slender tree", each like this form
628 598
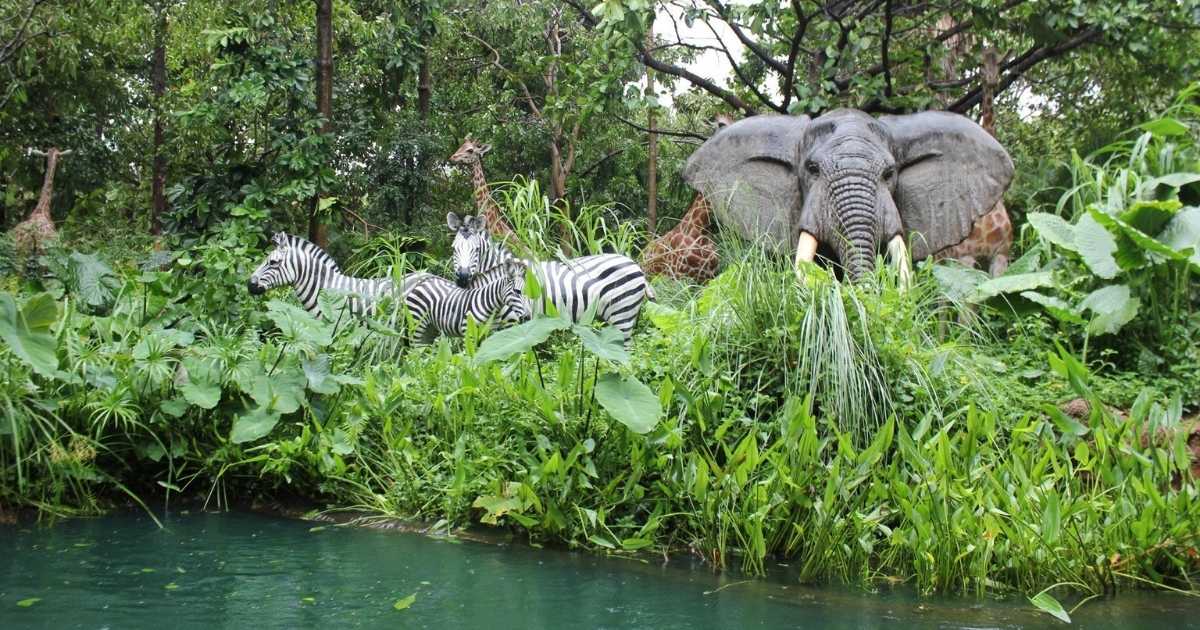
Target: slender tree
316 228
158 81
652 153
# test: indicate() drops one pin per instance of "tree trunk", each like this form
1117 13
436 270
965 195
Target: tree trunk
158 80
316 228
424 84
652 154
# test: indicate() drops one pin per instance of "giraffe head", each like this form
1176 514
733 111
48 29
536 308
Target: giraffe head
471 152
721 121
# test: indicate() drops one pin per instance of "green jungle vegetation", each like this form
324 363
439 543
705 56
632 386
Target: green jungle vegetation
970 434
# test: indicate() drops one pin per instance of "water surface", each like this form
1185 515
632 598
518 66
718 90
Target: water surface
238 570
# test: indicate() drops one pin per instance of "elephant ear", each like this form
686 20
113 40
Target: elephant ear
951 172
748 174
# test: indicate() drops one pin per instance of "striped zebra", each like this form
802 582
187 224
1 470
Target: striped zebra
443 308
614 285
309 270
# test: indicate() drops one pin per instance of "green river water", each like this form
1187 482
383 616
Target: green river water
239 570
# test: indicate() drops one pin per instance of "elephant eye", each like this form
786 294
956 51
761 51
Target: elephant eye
812 167
889 172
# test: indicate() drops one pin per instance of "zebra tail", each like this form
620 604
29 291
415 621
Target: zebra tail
650 292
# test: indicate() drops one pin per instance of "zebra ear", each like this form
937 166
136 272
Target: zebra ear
280 239
472 223
453 222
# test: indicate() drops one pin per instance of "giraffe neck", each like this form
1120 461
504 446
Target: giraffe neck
697 217
42 209
483 195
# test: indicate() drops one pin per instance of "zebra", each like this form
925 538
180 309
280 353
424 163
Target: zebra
443 308
309 270
614 285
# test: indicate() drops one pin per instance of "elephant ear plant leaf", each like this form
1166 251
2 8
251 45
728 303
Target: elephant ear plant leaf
518 339
26 330
629 401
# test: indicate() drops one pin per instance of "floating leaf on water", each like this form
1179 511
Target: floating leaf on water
26 603
308 600
318 528
405 602
170 586
147 570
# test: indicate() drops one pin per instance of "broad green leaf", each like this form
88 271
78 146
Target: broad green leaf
1047 604
1014 283
958 282
203 386
1113 307
518 339
1058 308
26 330
40 312
1150 217
91 278
317 373
298 325
664 317
1096 245
281 392
28 601
629 401
496 507
253 425
1054 228
608 344
1165 126
1133 244
405 602
174 407
1051 519
340 443
1182 234
203 395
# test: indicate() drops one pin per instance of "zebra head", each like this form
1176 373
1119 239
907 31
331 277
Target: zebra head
474 250
516 307
278 269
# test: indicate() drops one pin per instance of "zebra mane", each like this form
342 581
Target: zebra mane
310 248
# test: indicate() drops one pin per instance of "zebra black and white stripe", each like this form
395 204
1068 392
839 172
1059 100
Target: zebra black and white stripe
611 284
440 307
310 270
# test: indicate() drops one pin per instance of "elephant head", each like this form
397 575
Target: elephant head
851 183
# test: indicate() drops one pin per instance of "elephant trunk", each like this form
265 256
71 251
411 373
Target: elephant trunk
855 206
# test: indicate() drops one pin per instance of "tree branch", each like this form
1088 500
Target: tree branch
661 132
760 52
667 68
1019 66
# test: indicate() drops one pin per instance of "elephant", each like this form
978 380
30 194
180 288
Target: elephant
848 183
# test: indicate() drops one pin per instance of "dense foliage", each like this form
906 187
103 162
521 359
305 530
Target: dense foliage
864 433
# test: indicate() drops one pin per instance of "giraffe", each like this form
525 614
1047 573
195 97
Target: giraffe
31 235
470 154
991 238
687 250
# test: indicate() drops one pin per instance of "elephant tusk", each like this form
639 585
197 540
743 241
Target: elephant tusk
806 250
898 253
